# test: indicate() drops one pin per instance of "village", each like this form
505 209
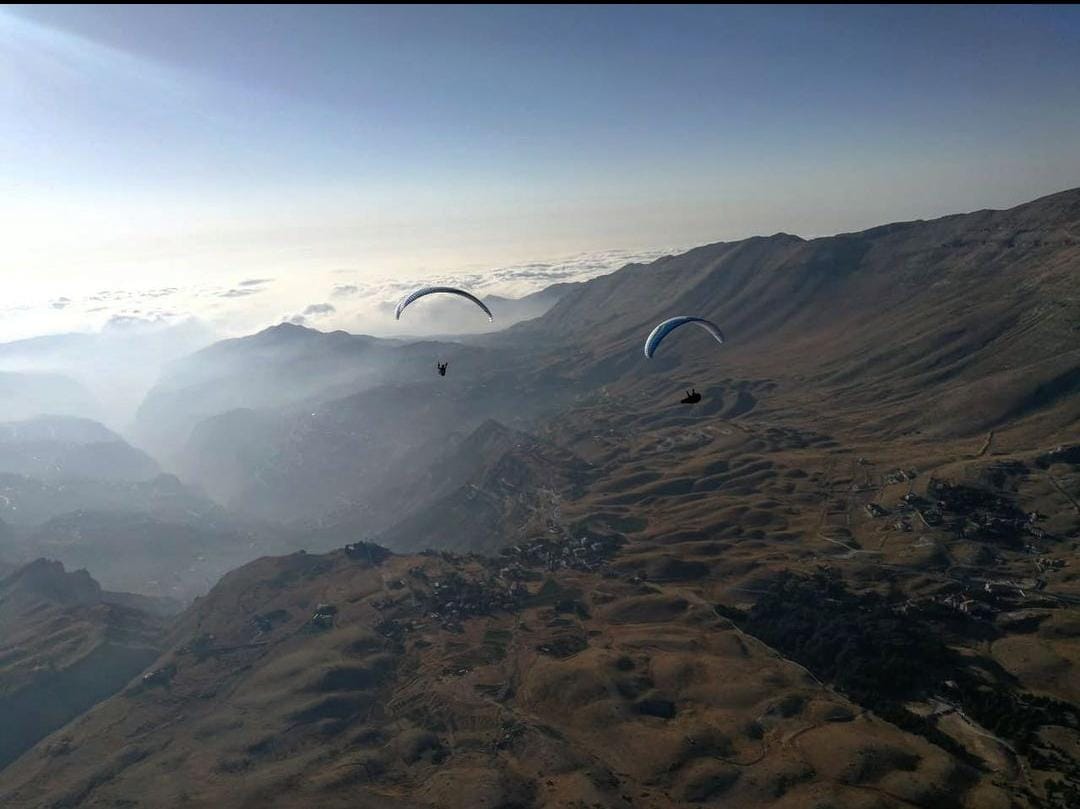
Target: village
950 512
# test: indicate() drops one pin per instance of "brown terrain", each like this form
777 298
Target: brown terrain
848 578
66 645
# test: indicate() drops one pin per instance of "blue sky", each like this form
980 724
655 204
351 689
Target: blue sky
153 148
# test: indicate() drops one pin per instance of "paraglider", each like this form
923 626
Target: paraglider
415 295
669 325
441 366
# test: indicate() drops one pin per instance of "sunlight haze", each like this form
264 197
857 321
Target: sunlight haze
142 149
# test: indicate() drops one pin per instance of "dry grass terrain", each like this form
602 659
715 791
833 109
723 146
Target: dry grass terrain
848 578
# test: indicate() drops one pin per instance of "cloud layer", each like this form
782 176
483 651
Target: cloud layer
370 303
354 300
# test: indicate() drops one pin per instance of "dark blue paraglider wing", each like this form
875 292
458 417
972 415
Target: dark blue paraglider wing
668 326
417 294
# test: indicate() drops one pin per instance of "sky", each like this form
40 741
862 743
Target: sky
246 165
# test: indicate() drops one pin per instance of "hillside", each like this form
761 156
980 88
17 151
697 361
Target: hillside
628 670
102 374
847 578
29 501
66 646
424 682
939 329
25 394
146 554
153 537
247 373
64 448
297 464
950 326
498 487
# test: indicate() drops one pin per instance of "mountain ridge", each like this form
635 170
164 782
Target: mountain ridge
845 578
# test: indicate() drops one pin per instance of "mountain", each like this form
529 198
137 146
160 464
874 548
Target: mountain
25 394
67 448
787 669
432 682
951 326
65 647
296 464
498 486
66 430
107 372
534 304
146 554
27 501
283 368
156 537
944 328
846 578
247 372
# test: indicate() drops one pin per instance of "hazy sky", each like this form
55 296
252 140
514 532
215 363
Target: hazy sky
153 159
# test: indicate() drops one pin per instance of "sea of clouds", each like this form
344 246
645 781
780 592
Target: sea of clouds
353 299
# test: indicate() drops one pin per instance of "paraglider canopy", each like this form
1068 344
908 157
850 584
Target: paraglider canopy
669 325
415 295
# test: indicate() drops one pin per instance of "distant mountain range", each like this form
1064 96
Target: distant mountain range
250 372
73 490
66 448
99 375
25 394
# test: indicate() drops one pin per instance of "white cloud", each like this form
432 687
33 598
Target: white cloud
344 291
238 293
371 303
359 303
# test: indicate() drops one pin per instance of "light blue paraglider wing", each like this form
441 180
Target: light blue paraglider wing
668 326
417 294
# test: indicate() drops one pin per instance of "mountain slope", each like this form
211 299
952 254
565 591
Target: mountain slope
846 578
437 682
25 394
498 487
27 501
146 554
296 464
945 328
974 312
65 647
280 367
59 448
250 371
